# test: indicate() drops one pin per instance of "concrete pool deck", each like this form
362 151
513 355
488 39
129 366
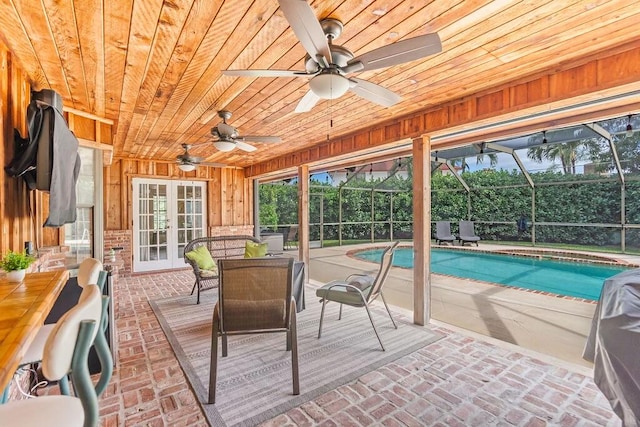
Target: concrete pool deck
547 324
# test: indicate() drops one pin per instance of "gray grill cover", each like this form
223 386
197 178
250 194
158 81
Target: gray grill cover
613 345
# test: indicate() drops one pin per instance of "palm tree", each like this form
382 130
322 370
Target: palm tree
567 152
462 162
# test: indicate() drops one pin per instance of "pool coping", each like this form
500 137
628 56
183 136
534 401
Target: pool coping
541 253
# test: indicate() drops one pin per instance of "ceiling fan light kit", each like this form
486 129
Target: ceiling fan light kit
329 85
225 146
187 167
327 65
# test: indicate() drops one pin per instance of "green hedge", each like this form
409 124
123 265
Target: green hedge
495 197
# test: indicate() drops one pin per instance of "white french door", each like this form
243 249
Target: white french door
166 216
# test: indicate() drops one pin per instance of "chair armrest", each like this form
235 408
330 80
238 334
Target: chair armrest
194 265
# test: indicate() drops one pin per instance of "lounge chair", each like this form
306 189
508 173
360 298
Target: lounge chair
359 290
443 232
467 234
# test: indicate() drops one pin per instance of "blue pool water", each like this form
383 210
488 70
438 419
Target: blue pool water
582 280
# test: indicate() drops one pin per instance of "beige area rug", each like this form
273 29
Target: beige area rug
254 380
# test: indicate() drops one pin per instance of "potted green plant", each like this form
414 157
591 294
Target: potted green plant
16 264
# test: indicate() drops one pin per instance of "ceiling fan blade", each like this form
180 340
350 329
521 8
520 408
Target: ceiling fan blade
256 138
194 159
374 93
398 53
244 146
265 73
306 27
308 101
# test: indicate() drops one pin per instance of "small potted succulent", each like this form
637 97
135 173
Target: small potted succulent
16 264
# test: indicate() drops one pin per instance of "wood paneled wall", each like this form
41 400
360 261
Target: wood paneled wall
22 212
229 192
16 224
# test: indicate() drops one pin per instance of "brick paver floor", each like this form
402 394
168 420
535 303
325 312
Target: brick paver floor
457 381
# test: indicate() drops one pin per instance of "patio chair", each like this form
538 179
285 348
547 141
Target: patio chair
443 232
359 290
467 234
255 297
66 352
291 239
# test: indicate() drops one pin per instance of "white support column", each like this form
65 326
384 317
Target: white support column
303 218
421 230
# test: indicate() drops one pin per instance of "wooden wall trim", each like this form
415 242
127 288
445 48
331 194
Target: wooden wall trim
599 77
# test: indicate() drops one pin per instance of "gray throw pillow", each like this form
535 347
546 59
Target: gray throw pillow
361 282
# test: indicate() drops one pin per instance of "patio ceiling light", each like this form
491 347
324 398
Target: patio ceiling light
544 136
187 167
329 85
629 128
223 145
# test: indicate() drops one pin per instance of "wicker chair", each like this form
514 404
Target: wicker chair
254 297
220 247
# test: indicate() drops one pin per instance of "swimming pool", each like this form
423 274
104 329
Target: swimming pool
577 279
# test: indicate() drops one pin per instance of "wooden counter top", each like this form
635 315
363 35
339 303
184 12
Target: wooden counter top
23 308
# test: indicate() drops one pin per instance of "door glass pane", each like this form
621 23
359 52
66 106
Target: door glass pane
144 253
163 253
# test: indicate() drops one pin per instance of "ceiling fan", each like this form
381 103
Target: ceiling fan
327 65
228 137
188 162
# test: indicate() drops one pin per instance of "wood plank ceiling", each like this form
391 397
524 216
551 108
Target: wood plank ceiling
154 66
